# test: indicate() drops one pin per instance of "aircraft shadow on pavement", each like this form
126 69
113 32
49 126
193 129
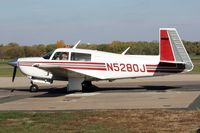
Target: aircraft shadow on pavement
55 92
131 89
43 92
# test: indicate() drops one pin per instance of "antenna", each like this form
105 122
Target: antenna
125 51
76 44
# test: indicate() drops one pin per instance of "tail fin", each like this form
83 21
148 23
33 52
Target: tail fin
172 49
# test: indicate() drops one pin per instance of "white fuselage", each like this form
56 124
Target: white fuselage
103 65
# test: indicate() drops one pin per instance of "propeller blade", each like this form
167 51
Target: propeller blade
14 73
14 63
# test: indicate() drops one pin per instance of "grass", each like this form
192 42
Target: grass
126 121
7 70
195 57
196 69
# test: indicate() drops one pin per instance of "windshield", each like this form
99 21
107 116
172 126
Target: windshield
48 55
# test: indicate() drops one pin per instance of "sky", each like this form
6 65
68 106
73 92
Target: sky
28 22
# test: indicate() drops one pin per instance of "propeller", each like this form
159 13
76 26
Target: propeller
14 73
14 64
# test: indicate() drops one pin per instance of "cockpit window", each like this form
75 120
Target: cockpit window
61 56
48 55
80 57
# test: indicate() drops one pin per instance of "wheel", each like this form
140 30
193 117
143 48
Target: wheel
86 86
34 88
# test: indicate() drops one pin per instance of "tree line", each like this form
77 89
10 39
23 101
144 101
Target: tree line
14 50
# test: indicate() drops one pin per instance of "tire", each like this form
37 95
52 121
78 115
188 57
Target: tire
86 86
34 88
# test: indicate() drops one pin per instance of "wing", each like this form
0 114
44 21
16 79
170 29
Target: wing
60 71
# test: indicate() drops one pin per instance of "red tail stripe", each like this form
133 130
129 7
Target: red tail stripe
166 52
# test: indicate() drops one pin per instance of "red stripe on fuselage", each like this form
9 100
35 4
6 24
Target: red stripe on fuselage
88 68
55 62
30 63
151 71
151 65
92 67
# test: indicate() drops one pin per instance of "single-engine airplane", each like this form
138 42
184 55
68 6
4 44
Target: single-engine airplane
80 66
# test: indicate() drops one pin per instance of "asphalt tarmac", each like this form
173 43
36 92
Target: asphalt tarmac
168 92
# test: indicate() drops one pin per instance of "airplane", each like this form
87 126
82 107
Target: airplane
82 66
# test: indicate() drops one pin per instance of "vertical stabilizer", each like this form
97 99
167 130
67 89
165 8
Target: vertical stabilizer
172 49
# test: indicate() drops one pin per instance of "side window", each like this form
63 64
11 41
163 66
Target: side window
61 56
80 57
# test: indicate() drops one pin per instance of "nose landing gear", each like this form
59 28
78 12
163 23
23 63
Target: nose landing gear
33 87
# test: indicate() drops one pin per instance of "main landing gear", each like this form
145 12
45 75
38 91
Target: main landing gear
87 86
33 87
